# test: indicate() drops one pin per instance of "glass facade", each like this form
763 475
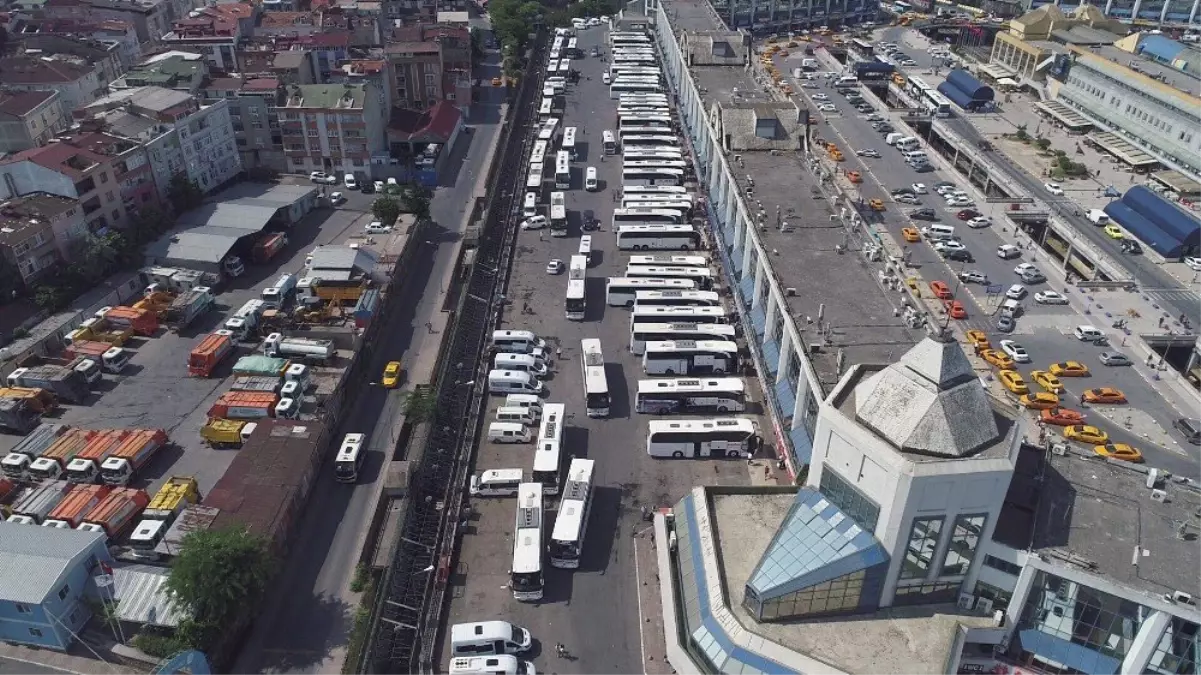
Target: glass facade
964 541
1000 597
850 593
1177 651
919 553
848 498
927 593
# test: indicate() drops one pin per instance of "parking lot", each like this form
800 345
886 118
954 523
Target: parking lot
1044 330
594 611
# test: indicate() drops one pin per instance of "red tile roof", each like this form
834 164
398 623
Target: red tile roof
261 84
62 157
432 126
24 70
21 103
285 19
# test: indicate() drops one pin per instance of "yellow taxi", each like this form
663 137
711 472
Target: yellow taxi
1012 380
996 358
876 204
392 372
1122 451
1069 369
1039 400
1114 232
978 338
1085 434
911 234
1104 395
1047 381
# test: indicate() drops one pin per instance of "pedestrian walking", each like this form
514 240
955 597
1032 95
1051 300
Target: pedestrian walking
429 327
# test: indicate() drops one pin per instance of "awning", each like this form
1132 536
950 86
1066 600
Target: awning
1065 115
1178 183
1122 149
996 71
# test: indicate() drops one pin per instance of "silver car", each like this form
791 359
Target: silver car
1114 359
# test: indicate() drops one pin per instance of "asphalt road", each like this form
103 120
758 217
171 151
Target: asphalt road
14 667
310 614
594 610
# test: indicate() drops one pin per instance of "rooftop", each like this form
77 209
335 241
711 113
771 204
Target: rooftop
434 125
22 103
21 217
717 47
173 72
74 157
34 559
153 100
1094 513
763 126
327 96
1174 81
46 69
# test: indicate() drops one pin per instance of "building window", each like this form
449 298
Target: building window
429 78
848 498
23 609
929 593
1178 649
999 596
1100 625
1002 565
919 554
964 541
62 592
35 632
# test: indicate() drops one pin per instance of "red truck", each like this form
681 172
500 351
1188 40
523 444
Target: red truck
266 247
84 467
210 352
141 321
78 503
116 511
244 405
131 455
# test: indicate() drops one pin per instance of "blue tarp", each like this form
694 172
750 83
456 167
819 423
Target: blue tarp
1180 225
1146 231
964 81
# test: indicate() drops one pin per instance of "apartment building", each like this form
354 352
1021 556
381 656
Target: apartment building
105 57
151 19
76 80
332 127
182 71
29 119
429 63
262 57
1138 12
256 129
114 34
215 31
37 231
179 133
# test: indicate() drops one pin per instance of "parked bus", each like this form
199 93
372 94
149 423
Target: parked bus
660 140
642 333
621 86
702 276
609 142
558 214
716 437
655 190
651 176
350 458
576 305
680 164
936 104
670 260
645 120
669 396
525 575
569 142
538 156
678 314
544 110
629 38
865 48
658 203
690 357
628 109
673 298
623 216
622 291
533 181
596 386
547 468
637 152
650 237
571 521
563 170
634 69
646 58
643 99
549 131
573 48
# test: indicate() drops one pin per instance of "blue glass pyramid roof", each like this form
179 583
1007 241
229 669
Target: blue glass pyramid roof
816 542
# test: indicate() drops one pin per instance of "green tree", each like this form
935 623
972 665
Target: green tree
416 201
50 297
420 404
1021 134
387 209
1042 143
184 193
513 20
147 224
218 576
94 256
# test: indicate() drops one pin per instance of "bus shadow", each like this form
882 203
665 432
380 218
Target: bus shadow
575 440
619 390
594 297
604 523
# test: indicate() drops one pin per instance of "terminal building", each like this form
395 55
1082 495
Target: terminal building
930 537
770 16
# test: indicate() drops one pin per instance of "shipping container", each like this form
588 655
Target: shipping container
41 499
244 405
78 503
118 510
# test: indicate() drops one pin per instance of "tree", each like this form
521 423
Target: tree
184 193
420 404
147 224
1042 143
387 209
94 256
416 201
49 297
218 577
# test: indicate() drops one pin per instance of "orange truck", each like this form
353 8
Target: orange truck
37 399
211 351
133 453
244 405
155 302
79 502
53 461
141 321
85 466
115 512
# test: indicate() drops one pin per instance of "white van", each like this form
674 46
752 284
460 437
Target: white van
488 637
517 342
497 483
938 232
529 207
512 382
846 81
350 181
605 77
524 363
529 402
1011 308
578 23
915 156
501 664
516 415
907 144
1088 334
277 293
586 247
590 182
509 432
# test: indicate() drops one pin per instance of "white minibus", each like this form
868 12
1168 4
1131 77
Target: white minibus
496 483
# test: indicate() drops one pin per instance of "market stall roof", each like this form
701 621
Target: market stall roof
1122 149
1065 115
1178 182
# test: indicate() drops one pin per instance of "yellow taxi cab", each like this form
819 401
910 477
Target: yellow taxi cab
996 358
1039 400
1012 380
1114 232
1122 451
911 234
1047 381
1069 369
392 372
1085 434
876 204
978 338
1104 395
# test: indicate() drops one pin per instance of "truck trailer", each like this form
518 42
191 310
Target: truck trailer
15 465
177 493
85 466
38 399
244 405
211 351
131 455
37 502
141 321
301 348
68 384
256 383
115 512
18 416
53 461
188 305
111 359
267 246
256 364
223 433
78 503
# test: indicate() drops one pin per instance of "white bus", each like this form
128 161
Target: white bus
547 469
651 176
573 48
670 260
653 140
657 203
690 357
629 37
633 152
533 181
349 458
628 163
635 57
576 305
676 298
596 386
655 190
525 576
622 291
717 437
642 333
558 214
544 110
643 99
553 66
564 67
569 142
625 109
609 142
549 131
678 314
563 170
658 238
645 120
571 522
538 156
624 216
634 69
620 86
702 276
670 396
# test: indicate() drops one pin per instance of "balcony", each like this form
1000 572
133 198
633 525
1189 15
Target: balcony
91 206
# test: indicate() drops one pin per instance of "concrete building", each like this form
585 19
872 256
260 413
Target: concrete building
151 19
762 17
430 63
105 56
1138 12
182 71
332 127
214 31
29 119
37 232
76 80
251 111
45 580
180 134
265 58
117 36
1026 49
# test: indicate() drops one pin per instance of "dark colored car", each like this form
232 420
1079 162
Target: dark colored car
903 191
967 214
1190 428
924 214
924 168
368 187
886 128
962 255
1131 246
588 221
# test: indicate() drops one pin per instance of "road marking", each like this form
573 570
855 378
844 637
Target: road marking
641 618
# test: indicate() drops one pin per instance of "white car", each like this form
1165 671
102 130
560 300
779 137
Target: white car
1054 188
377 227
350 182
1194 263
809 85
336 198
948 245
961 201
907 199
1025 268
554 266
320 177
1015 351
821 97
534 223
827 107
944 190
1016 292
868 152
1007 251
979 222
920 188
1050 298
974 277
378 185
